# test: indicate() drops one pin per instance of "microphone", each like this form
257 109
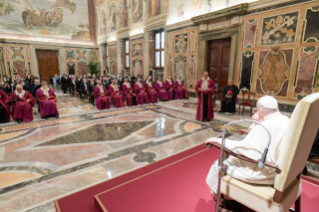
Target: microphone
261 163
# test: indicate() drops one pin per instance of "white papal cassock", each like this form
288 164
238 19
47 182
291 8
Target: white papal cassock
252 146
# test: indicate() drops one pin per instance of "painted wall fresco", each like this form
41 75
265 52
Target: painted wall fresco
113 59
78 59
274 71
2 64
137 57
246 70
311 30
17 59
308 67
66 19
250 29
279 29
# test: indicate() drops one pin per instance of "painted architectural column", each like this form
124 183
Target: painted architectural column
2 66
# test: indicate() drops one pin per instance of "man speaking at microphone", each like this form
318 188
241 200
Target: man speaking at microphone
253 146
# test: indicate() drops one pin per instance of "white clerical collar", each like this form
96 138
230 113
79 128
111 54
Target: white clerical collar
115 87
205 79
128 85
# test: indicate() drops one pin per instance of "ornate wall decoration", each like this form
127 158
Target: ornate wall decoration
193 41
112 52
81 55
154 8
181 68
247 61
113 19
151 51
76 58
279 29
123 13
17 53
273 76
170 66
191 71
113 69
159 73
104 62
308 67
137 13
165 4
69 54
17 59
102 23
181 43
170 44
82 68
2 66
137 50
250 29
93 55
19 67
138 68
311 30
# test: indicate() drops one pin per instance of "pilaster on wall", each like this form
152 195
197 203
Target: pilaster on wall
2 66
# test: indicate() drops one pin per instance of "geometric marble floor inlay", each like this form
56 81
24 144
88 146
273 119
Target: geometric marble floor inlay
99 132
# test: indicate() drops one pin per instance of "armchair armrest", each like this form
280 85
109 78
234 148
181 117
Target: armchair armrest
242 157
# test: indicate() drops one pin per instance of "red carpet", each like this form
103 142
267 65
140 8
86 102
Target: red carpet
83 201
177 187
175 184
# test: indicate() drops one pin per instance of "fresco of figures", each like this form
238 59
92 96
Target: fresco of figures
66 19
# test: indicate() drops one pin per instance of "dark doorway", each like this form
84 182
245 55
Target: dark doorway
48 63
218 63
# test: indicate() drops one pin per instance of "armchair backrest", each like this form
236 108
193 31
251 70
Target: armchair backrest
297 141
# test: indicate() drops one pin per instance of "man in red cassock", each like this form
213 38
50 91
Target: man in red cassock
140 90
22 102
150 88
47 101
101 96
170 87
205 89
4 107
129 94
116 94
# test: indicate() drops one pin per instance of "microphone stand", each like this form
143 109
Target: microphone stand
221 161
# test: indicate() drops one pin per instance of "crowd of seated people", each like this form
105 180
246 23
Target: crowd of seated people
18 96
119 91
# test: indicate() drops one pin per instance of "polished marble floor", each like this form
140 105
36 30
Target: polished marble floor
48 159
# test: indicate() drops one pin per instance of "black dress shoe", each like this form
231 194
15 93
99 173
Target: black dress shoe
19 121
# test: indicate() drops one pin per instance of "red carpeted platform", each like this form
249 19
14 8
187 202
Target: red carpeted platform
83 201
175 184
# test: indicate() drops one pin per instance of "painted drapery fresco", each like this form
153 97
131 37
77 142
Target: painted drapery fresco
67 19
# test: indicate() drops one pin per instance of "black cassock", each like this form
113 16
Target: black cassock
229 104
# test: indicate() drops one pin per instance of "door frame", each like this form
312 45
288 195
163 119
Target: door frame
51 50
61 60
230 32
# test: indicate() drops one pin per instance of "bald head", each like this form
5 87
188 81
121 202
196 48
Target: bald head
19 88
230 82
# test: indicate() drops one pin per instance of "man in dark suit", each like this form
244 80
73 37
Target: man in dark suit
105 83
84 87
91 91
34 87
228 102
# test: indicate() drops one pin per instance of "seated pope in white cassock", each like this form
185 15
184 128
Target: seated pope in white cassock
253 146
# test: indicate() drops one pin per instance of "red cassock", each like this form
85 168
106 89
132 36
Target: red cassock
180 90
205 107
142 95
152 94
162 93
20 108
47 103
4 102
129 94
170 87
102 101
116 96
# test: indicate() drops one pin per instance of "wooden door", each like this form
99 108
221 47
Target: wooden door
218 63
48 64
